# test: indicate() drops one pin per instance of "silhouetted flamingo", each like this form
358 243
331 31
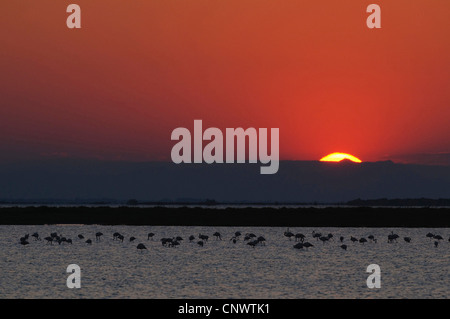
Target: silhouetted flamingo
300 237
363 240
344 247
191 238
150 235
341 239
141 247
89 242
98 235
307 245
407 239
316 235
24 242
298 246
253 243
288 234
200 243
262 240
217 235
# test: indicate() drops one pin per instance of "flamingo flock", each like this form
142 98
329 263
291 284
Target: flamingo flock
249 239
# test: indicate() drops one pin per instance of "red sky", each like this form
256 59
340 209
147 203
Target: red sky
116 88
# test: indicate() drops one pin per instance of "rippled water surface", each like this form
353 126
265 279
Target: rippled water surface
221 269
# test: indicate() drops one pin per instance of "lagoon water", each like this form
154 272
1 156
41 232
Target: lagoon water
221 269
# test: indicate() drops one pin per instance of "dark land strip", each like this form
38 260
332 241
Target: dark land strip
245 216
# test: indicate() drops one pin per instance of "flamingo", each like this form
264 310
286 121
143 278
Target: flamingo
141 247
430 235
49 240
174 243
341 239
407 239
288 234
344 247
363 240
191 238
253 243
298 246
353 239
98 235
24 242
121 238
392 237
300 237
371 237
307 245
438 237
436 243
262 240
132 239
179 238
316 235
80 236
89 242
237 234
217 235
200 243
115 235
203 237
323 239
69 241
150 235
36 236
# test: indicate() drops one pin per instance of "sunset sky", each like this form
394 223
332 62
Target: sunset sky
116 88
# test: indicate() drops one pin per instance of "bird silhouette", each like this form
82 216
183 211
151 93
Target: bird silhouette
141 247
288 234
98 236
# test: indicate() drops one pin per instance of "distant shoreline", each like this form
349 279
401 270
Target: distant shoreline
246 216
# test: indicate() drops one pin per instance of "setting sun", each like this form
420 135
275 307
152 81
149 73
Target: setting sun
337 157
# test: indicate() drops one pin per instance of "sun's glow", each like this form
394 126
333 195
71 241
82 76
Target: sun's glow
337 157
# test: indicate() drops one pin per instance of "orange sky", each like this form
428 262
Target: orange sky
116 88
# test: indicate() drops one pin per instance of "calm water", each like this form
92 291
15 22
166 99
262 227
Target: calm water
222 269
